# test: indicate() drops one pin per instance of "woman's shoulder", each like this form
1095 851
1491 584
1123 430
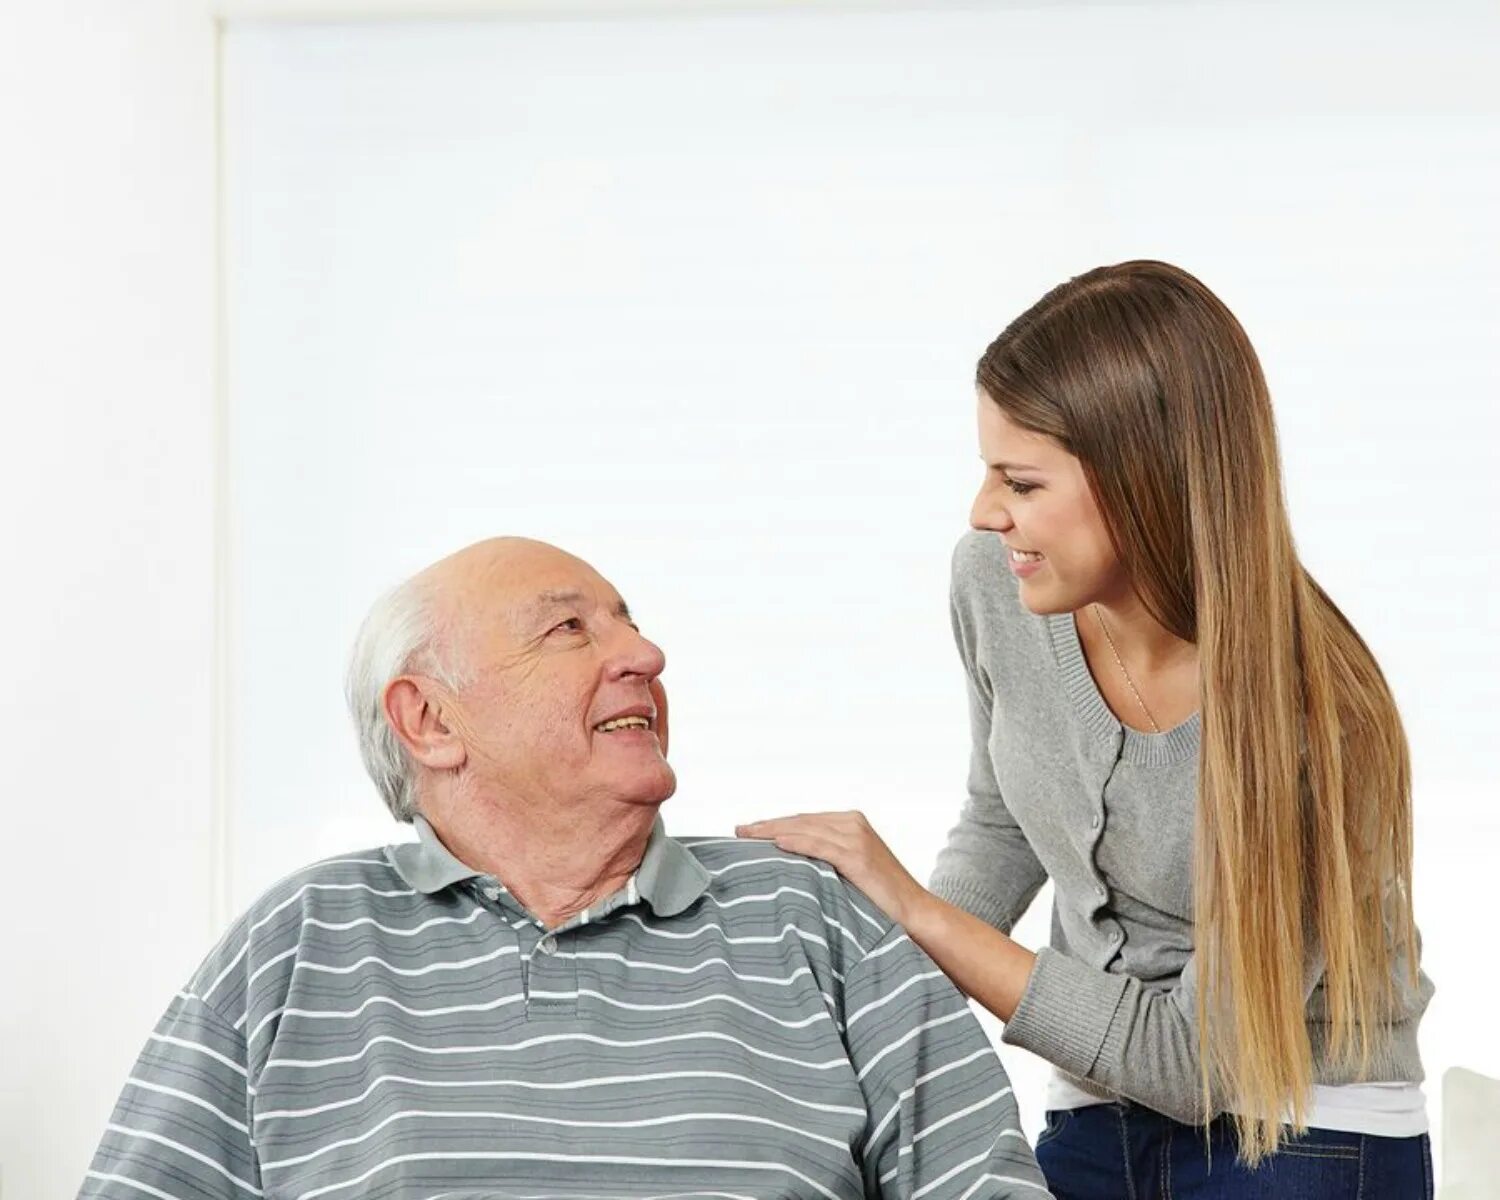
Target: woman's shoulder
984 589
990 624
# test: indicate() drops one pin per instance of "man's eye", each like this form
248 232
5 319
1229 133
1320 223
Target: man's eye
571 625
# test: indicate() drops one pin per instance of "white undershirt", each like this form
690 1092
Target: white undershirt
1382 1109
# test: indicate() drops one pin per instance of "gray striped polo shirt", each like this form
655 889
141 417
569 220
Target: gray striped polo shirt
735 1022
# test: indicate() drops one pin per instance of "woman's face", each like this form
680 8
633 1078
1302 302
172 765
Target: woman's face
1035 496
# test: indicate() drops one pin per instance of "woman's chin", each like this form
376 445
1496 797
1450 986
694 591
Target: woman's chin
1039 600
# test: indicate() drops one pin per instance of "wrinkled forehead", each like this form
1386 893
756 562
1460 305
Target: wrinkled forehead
584 596
509 590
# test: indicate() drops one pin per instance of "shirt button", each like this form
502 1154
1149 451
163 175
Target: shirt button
1103 892
491 893
1094 824
547 945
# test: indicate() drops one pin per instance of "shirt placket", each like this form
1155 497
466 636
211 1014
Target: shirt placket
1111 932
549 962
551 970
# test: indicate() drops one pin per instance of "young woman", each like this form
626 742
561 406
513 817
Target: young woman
1176 725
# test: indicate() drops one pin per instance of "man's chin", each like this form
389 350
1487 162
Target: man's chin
648 793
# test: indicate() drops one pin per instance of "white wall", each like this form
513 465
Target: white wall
106 383
1332 173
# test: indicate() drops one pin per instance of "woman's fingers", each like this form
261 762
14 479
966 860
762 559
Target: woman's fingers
824 821
790 833
843 839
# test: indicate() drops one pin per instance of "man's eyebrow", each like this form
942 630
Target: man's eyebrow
530 611
559 599
546 599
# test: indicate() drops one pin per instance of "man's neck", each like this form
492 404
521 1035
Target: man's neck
556 867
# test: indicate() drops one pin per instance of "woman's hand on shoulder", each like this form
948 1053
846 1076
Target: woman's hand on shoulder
848 843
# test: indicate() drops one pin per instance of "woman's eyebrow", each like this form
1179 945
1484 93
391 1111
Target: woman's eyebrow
1006 466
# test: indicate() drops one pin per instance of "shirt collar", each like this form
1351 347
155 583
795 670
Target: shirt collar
427 864
669 878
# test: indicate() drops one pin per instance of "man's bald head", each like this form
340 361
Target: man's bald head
499 574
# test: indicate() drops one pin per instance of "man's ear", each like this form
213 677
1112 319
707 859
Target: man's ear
416 718
659 698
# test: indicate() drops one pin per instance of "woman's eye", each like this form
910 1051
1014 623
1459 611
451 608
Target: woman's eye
1020 488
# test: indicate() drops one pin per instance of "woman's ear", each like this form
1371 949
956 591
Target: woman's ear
412 708
659 698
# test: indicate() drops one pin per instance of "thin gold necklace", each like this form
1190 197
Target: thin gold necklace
1129 682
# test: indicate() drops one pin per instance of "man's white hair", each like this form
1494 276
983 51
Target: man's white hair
398 635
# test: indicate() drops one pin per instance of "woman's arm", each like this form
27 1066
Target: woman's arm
985 963
1108 1028
987 866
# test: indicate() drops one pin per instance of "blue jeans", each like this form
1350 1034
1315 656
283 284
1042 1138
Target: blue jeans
1123 1151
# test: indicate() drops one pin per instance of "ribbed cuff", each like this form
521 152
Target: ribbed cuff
1065 1012
958 891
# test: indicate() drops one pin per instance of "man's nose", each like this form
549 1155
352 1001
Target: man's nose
636 654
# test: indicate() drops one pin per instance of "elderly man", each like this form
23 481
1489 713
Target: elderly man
545 995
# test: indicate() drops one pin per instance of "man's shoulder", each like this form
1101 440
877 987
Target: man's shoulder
340 887
341 877
745 871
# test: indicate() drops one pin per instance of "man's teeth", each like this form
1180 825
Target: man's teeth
1025 556
624 723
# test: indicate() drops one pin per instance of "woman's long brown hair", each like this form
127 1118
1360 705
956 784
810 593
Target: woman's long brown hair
1303 839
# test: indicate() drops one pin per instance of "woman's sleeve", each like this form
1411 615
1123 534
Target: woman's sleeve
1118 1033
987 867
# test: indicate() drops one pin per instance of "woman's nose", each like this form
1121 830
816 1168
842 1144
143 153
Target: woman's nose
989 513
